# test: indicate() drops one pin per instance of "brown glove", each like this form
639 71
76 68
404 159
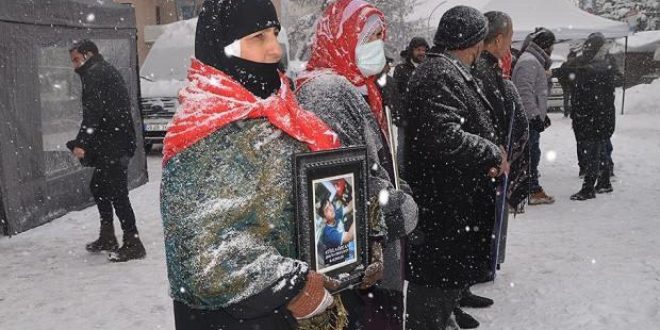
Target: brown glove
311 300
374 271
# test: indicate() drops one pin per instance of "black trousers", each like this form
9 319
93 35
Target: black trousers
596 162
429 308
109 187
186 318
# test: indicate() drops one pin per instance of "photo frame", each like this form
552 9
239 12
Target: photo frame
331 212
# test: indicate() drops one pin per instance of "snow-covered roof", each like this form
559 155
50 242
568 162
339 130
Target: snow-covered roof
562 17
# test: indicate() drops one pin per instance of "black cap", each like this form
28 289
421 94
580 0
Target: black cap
461 27
595 41
544 38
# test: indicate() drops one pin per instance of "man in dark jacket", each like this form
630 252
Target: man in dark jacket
530 76
106 141
413 56
454 156
594 114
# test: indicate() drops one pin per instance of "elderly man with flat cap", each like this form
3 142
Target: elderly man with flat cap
453 160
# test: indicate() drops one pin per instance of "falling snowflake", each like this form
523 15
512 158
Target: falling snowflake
91 17
383 197
551 156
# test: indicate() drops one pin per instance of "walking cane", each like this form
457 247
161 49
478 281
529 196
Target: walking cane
393 151
501 209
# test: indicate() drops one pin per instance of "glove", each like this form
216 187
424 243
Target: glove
314 298
537 124
547 122
400 211
375 270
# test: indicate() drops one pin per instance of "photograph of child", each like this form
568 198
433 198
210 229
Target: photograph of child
334 222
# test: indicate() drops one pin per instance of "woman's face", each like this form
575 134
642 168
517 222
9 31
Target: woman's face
262 46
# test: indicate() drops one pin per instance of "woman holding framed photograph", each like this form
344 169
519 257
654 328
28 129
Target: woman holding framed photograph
226 194
339 86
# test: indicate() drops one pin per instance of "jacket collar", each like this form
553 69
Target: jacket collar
465 72
539 54
89 63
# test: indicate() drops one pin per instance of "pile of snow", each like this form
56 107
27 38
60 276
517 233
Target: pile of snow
642 98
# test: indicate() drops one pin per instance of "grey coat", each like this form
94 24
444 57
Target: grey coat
532 82
337 102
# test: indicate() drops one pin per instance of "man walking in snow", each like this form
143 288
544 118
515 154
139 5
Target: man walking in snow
106 141
454 156
530 76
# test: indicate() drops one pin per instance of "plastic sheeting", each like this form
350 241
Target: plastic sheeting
40 106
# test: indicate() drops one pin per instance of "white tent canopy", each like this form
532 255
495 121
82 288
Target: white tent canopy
560 16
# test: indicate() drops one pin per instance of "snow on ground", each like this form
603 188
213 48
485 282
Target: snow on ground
571 265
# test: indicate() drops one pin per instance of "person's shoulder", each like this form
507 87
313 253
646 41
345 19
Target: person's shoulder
329 84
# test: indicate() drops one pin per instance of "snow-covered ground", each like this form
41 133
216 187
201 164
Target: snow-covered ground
572 265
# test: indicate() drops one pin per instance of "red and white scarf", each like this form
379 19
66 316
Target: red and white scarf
213 100
337 34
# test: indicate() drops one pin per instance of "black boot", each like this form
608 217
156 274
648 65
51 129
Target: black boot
106 241
604 184
130 250
465 320
469 299
584 194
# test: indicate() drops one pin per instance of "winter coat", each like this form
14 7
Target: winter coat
228 210
335 100
106 133
227 201
453 145
487 71
594 113
519 156
391 96
504 98
402 74
529 76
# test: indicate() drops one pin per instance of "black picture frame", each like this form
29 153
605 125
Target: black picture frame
316 174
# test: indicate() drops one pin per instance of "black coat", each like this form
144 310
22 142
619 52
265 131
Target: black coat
452 145
504 98
107 133
594 113
402 74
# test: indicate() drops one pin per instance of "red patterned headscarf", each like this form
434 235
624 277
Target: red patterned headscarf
337 34
213 99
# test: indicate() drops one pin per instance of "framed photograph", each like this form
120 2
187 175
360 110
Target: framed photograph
331 211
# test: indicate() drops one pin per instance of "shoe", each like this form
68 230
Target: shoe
540 197
465 320
470 299
604 189
106 241
131 249
584 194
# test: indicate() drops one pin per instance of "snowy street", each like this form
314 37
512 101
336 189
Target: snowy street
571 265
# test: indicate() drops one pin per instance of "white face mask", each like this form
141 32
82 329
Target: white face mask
370 58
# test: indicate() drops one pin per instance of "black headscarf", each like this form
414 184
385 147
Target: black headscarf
222 22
